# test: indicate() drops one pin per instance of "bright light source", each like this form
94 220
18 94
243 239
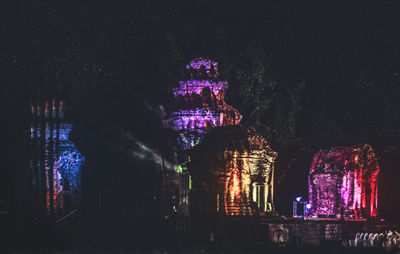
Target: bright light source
298 199
308 206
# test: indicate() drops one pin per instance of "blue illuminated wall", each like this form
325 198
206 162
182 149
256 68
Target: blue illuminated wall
55 161
69 160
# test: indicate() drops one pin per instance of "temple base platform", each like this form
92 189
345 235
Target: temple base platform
275 231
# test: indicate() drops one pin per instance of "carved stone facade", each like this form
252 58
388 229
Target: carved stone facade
343 182
55 161
233 173
200 104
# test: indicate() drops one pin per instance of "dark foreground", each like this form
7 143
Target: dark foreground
186 235
217 249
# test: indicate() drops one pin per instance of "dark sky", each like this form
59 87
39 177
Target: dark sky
347 55
113 57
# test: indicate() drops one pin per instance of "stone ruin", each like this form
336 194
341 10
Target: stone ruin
200 104
233 173
343 183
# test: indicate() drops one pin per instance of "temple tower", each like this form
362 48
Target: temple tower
343 183
55 162
199 103
199 106
233 173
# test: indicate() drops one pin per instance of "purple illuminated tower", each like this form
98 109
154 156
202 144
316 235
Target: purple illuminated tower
199 104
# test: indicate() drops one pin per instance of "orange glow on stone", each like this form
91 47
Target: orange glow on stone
236 177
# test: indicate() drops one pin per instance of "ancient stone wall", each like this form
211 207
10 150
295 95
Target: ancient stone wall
343 182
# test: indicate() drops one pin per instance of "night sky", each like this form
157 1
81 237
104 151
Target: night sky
320 75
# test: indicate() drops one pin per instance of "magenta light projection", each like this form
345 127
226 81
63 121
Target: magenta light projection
196 86
343 182
200 104
209 65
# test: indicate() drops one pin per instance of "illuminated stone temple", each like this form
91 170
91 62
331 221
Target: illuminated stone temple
343 183
233 173
55 162
200 104
198 107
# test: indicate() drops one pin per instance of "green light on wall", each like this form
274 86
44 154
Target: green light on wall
196 143
181 168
